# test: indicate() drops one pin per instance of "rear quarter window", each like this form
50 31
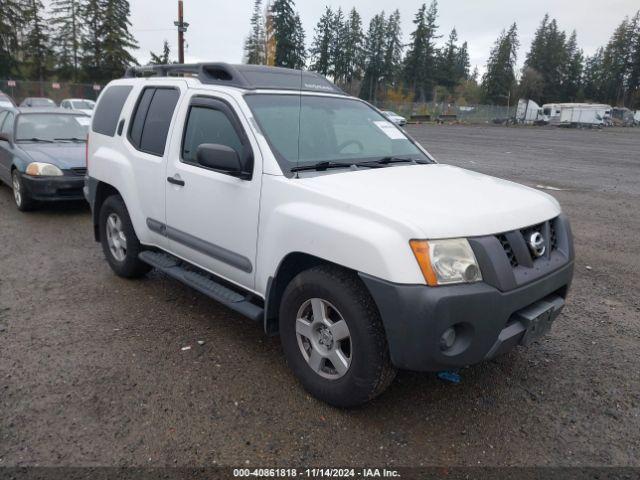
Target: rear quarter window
107 114
152 119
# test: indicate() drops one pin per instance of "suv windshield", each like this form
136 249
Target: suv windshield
305 130
51 127
42 102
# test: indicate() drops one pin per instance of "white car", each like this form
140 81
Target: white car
305 209
395 118
79 105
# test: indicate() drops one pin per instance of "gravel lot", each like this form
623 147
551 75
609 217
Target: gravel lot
92 371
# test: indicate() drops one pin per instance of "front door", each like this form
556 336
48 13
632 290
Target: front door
212 217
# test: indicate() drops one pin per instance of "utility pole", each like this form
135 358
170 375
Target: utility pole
182 28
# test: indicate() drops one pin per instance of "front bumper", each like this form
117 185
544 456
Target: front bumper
487 321
51 189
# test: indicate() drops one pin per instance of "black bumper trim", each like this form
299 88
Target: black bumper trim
416 316
51 189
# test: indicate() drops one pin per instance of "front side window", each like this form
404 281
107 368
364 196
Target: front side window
208 125
7 125
304 130
50 127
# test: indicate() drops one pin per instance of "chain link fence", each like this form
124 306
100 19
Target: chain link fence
56 91
435 111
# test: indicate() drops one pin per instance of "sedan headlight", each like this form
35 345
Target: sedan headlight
444 262
39 169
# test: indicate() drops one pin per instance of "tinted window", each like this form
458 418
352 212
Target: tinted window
105 119
152 119
135 134
206 125
3 115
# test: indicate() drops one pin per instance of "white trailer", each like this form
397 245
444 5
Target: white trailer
582 116
528 112
552 112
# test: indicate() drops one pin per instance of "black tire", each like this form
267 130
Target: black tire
21 197
370 371
130 266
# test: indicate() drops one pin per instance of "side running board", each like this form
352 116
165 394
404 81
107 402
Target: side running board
202 282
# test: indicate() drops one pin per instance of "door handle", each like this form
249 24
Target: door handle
176 181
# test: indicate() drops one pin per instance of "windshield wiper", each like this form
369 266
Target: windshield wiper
389 160
35 140
320 166
72 139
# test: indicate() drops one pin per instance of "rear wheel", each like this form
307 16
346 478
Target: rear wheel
119 241
333 337
20 195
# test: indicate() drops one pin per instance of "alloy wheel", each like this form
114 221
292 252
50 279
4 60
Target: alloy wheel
116 239
324 338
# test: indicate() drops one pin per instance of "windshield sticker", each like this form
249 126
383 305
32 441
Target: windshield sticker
390 130
84 121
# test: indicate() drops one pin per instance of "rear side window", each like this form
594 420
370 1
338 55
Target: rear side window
106 116
152 118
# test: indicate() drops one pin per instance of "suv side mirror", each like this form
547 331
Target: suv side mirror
220 157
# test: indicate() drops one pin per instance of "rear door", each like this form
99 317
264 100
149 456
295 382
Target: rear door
212 217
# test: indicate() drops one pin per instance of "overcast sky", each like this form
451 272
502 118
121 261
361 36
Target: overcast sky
218 27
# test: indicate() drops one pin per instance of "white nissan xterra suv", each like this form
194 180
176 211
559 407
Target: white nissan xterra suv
298 206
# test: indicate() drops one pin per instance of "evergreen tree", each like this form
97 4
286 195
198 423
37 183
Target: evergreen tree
255 45
634 64
419 65
374 58
338 61
288 35
392 51
37 54
10 15
117 39
549 57
323 43
573 70
93 12
499 80
163 58
447 62
616 64
593 77
350 69
463 63
67 23
299 49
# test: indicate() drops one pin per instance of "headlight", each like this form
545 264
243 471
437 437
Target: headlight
445 262
38 169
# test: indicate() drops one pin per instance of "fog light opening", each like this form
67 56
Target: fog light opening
448 338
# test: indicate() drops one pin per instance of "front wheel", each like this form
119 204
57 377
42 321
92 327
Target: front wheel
119 241
21 197
333 337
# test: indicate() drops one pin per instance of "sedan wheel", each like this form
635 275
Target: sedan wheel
17 188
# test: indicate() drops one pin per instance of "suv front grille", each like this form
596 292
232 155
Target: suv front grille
524 234
508 250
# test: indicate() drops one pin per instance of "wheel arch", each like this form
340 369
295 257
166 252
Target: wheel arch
290 266
102 192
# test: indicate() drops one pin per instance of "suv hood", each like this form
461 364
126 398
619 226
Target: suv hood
62 155
438 201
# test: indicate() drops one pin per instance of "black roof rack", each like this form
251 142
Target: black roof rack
249 77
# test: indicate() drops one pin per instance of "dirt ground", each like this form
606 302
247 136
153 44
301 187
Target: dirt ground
92 371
